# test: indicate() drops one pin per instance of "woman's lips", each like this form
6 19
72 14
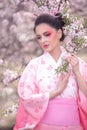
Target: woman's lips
45 46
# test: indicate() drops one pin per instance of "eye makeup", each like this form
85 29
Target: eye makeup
48 33
38 37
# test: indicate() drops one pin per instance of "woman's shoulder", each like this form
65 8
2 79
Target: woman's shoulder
33 64
36 60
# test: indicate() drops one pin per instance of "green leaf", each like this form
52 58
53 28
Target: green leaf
62 68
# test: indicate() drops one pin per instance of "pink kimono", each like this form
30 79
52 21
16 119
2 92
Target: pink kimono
35 110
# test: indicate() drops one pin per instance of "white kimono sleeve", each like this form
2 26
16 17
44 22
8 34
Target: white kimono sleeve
34 103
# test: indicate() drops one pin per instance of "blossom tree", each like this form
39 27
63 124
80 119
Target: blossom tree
76 26
79 7
15 16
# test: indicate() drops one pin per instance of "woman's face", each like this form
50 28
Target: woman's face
48 37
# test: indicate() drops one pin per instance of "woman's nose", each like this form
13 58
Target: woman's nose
43 40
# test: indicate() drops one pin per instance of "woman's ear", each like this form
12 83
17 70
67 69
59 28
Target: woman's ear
59 33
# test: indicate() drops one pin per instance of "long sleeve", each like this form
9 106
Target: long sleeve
82 98
32 103
83 69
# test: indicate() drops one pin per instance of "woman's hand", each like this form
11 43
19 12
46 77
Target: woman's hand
62 83
73 60
63 80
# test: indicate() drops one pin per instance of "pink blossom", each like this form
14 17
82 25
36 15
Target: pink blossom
9 75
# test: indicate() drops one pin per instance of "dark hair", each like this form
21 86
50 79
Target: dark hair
56 22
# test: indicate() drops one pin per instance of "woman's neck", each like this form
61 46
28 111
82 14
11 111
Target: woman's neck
56 54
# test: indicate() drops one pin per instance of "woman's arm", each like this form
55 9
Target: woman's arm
81 83
74 61
62 83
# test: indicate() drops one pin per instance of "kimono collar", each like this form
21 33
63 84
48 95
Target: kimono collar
64 54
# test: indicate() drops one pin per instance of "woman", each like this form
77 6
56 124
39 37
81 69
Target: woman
49 101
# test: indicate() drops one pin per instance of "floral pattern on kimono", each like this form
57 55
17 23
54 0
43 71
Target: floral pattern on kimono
37 80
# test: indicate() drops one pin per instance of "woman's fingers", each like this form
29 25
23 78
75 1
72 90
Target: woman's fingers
74 61
65 75
63 80
72 58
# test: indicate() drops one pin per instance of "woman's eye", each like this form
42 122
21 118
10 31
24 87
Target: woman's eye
47 34
38 38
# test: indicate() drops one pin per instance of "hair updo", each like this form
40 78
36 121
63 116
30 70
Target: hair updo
55 21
